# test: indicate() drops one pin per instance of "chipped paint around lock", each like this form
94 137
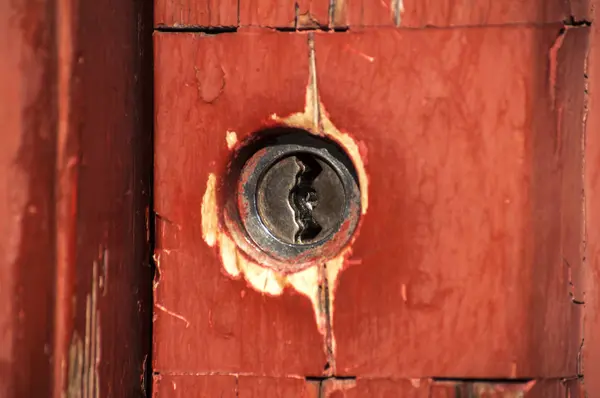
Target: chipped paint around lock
309 281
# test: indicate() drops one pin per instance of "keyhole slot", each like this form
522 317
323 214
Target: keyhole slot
303 198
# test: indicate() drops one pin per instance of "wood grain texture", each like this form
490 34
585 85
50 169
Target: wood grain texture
473 145
206 86
568 62
108 135
591 348
28 117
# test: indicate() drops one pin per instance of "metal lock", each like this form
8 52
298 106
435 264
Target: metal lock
298 200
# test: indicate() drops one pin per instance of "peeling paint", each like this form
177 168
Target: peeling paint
210 219
397 11
416 383
359 53
231 139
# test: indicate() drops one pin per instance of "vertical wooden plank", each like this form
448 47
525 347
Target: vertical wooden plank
591 348
211 90
27 213
473 154
567 69
181 13
111 108
104 280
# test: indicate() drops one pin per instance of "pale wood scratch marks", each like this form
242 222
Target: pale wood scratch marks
84 354
173 314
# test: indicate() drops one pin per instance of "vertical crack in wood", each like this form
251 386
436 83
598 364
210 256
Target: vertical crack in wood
584 254
325 303
324 287
312 64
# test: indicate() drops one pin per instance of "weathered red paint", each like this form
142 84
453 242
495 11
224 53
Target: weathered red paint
27 213
365 13
591 272
469 198
469 260
243 324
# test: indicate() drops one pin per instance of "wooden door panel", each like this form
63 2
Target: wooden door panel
591 348
464 231
468 263
207 86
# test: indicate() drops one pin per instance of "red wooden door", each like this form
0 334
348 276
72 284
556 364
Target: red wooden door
464 123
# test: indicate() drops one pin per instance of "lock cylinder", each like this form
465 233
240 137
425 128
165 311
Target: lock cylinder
297 200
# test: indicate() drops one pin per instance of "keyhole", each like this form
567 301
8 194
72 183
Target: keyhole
304 199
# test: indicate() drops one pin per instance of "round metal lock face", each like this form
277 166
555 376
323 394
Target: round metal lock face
298 203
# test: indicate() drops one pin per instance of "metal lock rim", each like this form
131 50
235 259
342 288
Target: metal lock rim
294 255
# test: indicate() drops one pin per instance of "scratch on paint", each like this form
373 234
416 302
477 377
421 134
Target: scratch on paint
84 356
359 53
174 314
553 63
308 282
210 220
